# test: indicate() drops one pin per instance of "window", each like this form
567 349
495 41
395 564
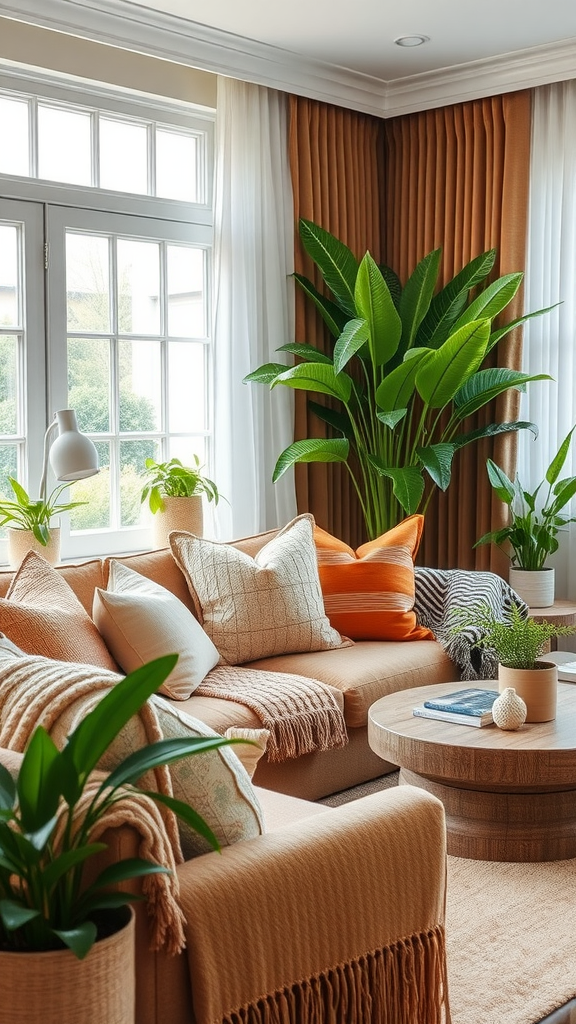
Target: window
127 279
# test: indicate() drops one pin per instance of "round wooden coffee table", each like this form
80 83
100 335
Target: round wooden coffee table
508 796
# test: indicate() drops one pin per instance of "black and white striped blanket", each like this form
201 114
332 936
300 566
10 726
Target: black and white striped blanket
440 591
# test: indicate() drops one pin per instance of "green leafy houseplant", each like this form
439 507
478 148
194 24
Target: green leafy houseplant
26 513
42 902
534 525
518 641
173 480
404 375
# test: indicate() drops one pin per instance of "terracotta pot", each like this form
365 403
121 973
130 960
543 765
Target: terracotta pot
20 542
538 688
57 988
180 514
535 586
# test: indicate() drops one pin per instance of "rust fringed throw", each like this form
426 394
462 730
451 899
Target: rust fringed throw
301 714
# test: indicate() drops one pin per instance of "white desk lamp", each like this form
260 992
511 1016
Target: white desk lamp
73 456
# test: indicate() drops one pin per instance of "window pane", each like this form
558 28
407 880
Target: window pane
185 448
15 158
8 384
140 382
186 382
123 156
87 282
95 490
176 166
186 317
89 383
138 287
9 275
64 145
133 455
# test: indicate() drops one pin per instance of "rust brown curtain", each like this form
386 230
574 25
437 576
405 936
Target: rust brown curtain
455 177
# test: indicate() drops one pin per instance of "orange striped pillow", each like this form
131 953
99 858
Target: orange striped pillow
369 594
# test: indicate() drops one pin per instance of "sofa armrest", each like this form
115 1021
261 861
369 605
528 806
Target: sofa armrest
345 906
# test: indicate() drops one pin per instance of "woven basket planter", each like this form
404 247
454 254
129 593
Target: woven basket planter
179 514
57 988
20 542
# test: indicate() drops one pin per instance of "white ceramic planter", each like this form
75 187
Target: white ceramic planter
538 688
535 586
180 514
20 542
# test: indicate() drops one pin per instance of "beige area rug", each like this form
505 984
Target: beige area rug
511 933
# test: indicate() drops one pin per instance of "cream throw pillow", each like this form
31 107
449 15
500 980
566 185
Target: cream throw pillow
140 621
258 607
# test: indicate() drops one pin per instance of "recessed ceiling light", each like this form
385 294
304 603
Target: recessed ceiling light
415 40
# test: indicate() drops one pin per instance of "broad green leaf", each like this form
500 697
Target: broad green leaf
306 352
163 752
334 317
417 295
449 304
312 449
393 282
187 814
336 418
407 483
22 497
40 836
555 467
437 461
399 385
491 429
564 491
68 860
316 377
391 419
501 332
375 304
353 338
37 795
7 789
501 483
441 375
265 374
336 262
80 939
123 870
485 385
492 300
14 914
95 733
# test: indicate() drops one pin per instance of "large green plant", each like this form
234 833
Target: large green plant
404 376
43 904
534 523
34 514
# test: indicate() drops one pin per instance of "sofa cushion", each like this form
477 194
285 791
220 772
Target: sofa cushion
263 606
141 620
42 615
369 593
158 566
368 670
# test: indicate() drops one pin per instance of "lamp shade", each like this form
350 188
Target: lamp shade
73 456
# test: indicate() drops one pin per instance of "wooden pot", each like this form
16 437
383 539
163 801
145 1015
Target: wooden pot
535 586
20 542
538 688
56 988
179 514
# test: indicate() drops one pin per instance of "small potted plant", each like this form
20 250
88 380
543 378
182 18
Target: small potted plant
174 494
31 519
534 523
518 642
49 918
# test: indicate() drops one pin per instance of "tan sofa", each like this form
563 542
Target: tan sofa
358 674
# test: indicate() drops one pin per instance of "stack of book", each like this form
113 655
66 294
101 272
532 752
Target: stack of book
464 707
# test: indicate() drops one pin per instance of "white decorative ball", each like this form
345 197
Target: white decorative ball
509 710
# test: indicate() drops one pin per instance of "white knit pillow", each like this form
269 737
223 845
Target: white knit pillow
258 607
140 620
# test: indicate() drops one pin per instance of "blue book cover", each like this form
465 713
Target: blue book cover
464 702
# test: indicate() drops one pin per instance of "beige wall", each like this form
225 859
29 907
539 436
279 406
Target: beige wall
42 48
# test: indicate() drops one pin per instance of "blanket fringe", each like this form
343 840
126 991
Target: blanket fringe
404 983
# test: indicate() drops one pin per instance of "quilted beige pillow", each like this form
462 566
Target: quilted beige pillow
263 606
141 621
42 615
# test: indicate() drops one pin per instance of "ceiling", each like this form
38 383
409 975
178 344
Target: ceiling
358 35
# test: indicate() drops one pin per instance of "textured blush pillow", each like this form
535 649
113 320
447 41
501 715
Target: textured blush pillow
258 607
42 615
369 594
140 621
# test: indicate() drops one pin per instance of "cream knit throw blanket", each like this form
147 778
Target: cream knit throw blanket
36 691
301 714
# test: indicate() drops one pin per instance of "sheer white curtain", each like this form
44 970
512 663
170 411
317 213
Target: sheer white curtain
550 341
253 249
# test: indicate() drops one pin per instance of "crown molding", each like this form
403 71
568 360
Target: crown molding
143 30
